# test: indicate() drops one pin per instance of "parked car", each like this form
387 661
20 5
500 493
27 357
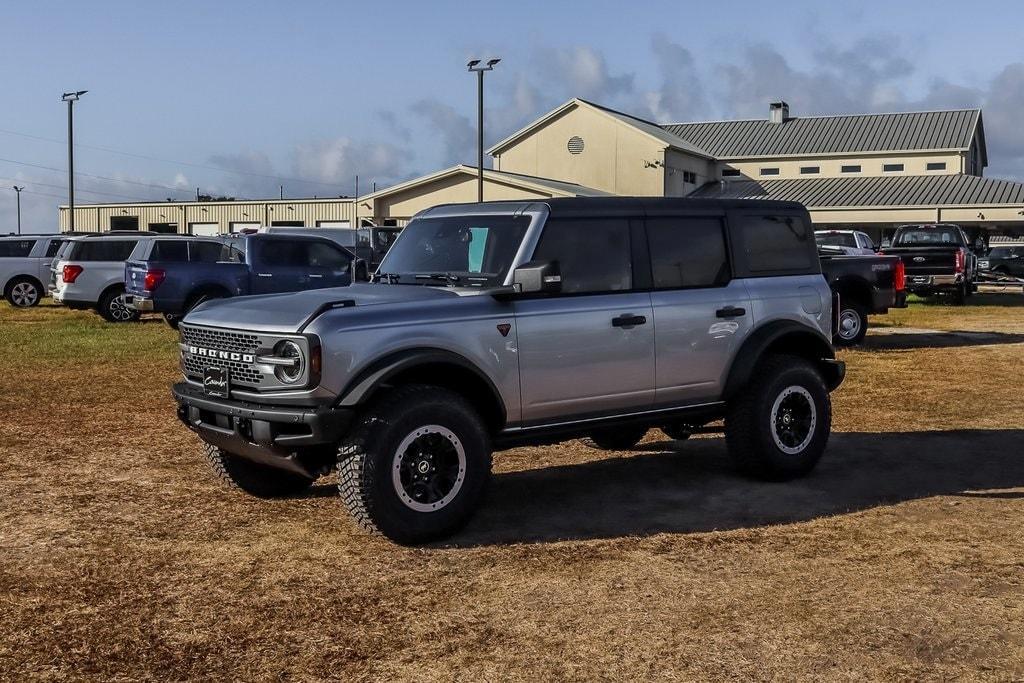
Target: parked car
89 273
938 259
850 242
522 322
1003 260
866 285
25 263
369 244
174 274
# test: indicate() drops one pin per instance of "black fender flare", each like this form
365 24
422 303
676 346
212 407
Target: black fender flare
789 336
379 372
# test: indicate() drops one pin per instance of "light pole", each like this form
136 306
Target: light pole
474 65
71 98
18 190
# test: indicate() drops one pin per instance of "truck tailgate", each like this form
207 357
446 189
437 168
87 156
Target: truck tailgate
135 277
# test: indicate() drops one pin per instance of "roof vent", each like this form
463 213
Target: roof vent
575 144
778 112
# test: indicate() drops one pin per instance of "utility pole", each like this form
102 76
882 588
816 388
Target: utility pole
282 191
474 65
18 191
71 98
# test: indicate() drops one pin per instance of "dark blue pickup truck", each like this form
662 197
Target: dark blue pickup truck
174 274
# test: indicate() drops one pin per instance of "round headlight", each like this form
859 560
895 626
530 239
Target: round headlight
289 374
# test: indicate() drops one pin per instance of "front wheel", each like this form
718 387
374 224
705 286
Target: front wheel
853 324
416 465
113 307
778 426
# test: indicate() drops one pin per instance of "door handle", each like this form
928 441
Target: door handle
730 312
316 276
628 320
265 274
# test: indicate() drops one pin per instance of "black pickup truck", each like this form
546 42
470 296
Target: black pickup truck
938 259
866 285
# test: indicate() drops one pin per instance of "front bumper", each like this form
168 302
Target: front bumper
270 435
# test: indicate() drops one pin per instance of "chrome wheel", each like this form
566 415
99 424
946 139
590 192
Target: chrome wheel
119 310
24 295
849 324
428 468
793 419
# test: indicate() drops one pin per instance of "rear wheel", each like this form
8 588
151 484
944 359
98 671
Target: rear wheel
778 426
960 293
172 320
255 479
23 292
113 308
853 324
616 438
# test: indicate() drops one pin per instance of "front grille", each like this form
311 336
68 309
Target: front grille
220 339
241 373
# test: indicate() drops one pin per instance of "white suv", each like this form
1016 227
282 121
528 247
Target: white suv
24 267
89 273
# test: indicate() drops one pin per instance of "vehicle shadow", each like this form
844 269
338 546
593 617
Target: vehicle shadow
937 339
1010 298
690 487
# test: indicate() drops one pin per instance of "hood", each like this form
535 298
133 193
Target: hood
290 311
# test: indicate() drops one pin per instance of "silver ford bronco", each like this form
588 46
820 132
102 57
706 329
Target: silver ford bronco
501 324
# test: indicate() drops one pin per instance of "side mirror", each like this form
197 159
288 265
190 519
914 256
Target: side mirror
544 277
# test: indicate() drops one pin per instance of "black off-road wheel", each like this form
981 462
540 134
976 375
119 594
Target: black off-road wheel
113 308
416 465
616 438
23 292
853 324
255 479
778 426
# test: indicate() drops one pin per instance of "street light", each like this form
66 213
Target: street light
71 98
18 191
474 65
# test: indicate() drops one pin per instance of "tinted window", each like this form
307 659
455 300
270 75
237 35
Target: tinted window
1000 252
927 236
851 169
770 171
205 252
323 255
936 165
169 250
303 254
835 239
593 253
102 250
16 247
810 170
892 167
775 243
53 247
687 252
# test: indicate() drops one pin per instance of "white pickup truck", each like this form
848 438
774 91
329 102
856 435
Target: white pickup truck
25 267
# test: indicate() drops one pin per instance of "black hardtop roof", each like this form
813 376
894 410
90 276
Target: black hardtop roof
590 206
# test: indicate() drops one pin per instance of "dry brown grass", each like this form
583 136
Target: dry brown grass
901 557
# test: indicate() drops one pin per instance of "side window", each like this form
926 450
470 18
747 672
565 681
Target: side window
323 255
593 253
174 251
204 252
104 250
9 248
52 248
687 252
775 243
231 254
282 253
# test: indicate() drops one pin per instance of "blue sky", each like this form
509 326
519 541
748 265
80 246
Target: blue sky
308 94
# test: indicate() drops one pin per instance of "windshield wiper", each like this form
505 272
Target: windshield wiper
450 278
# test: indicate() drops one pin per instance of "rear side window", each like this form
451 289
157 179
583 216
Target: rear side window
205 252
174 251
9 248
324 255
300 254
687 252
774 244
53 247
593 253
102 250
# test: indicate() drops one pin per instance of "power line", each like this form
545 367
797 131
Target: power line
90 175
208 167
77 190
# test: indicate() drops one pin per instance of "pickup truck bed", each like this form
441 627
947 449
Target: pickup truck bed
866 285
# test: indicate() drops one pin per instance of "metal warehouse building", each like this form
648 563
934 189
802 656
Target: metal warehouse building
872 171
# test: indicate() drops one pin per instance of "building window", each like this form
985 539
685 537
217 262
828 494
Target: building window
851 169
773 170
810 170
730 172
936 166
690 177
892 168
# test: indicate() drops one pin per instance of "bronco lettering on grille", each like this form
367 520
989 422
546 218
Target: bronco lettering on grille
221 355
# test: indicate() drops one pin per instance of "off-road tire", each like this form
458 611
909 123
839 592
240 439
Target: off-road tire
369 454
255 479
678 432
616 438
113 308
748 422
859 317
23 292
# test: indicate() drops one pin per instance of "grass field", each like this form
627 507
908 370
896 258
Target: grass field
902 556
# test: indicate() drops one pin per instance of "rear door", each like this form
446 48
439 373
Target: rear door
701 314
590 349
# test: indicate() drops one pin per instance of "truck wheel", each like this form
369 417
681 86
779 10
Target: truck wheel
416 465
778 426
253 478
23 292
853 324
678 432
113 308
172 320
960 294
616 438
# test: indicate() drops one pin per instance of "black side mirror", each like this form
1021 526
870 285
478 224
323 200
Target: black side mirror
543 277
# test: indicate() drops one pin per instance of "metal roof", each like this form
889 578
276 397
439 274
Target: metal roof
933 190
931 130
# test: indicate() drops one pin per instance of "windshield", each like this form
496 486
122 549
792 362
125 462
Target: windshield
472 251
927 237
835 239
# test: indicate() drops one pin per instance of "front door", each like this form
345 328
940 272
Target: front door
589 350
